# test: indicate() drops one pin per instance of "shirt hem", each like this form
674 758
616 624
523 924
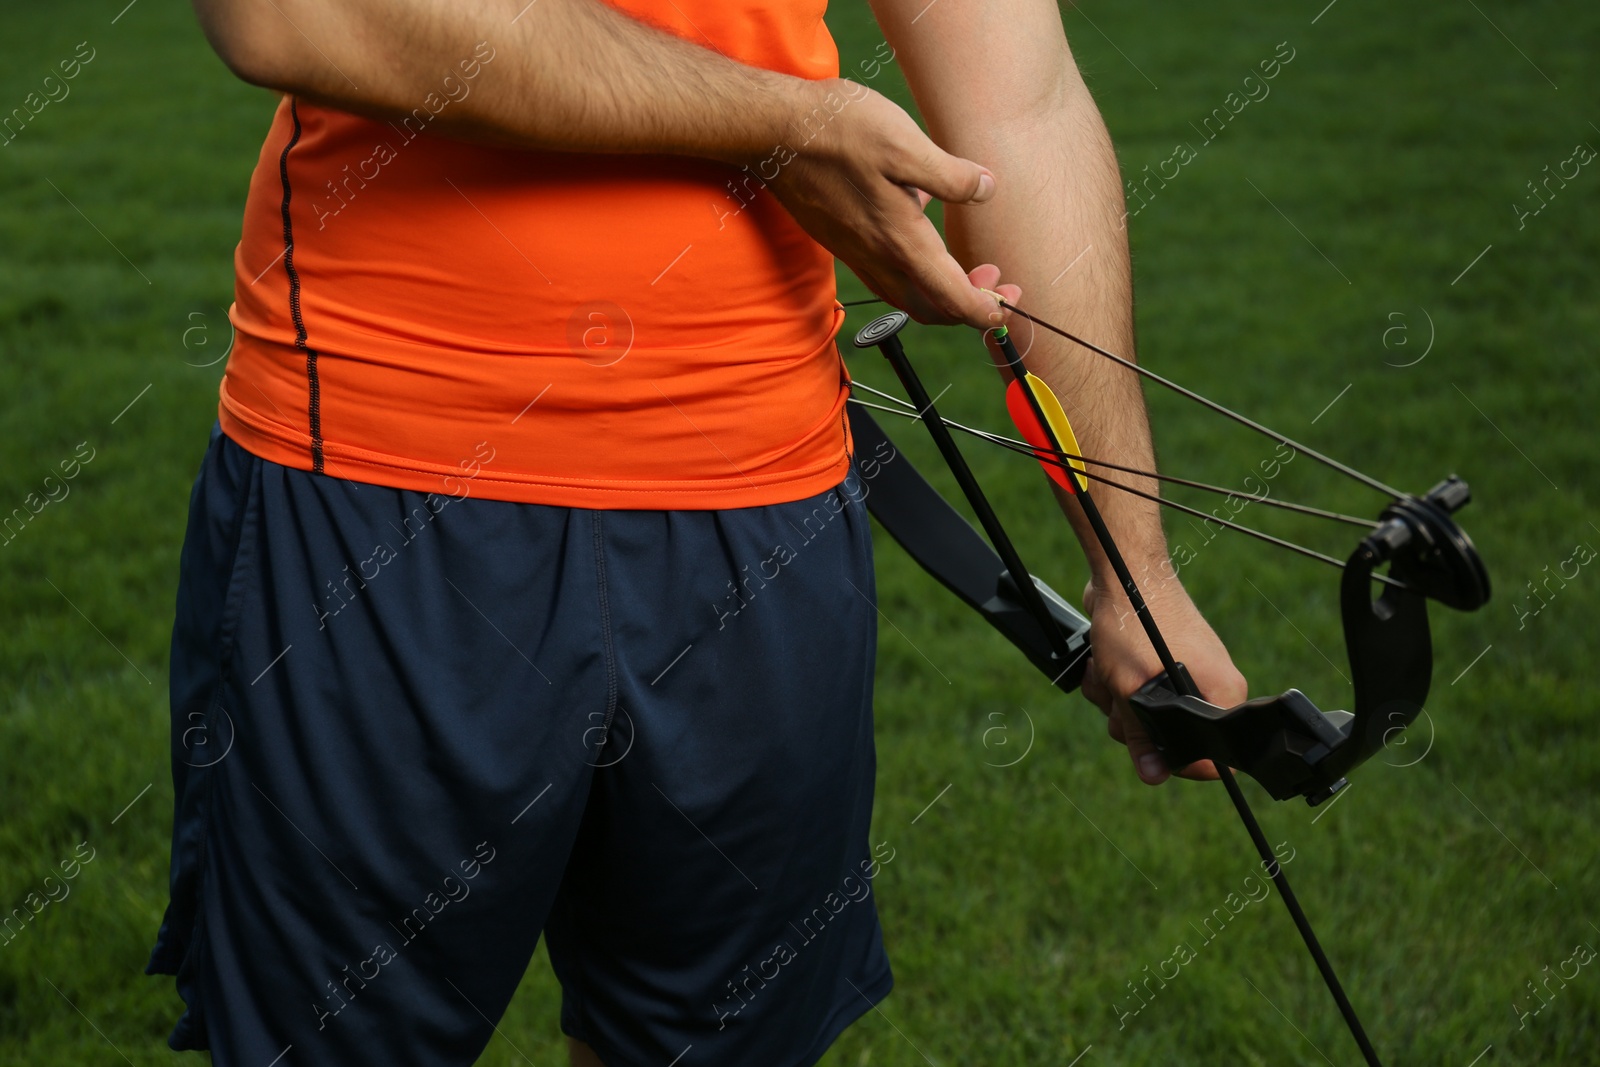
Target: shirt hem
289 448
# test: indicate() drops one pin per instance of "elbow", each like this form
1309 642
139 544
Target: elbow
246 42
249 64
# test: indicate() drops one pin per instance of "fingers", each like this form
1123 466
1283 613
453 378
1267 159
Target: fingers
922 277
1121 664
1124 727
1147 761
863 191
957 181
1200 771
953 179
953 297
1094 687
984 276
1123 724
1114 728
940 295
987 277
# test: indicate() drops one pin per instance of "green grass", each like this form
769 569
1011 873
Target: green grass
1396 141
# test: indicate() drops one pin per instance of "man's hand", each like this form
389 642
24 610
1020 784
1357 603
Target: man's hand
1123 661
1057 226
859 188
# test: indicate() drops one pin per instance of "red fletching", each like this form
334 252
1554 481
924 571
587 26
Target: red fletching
1033 432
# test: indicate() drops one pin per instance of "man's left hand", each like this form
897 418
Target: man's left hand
1122 661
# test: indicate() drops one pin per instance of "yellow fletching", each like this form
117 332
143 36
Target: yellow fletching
1059 425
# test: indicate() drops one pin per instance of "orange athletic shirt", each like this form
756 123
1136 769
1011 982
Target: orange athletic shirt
599 331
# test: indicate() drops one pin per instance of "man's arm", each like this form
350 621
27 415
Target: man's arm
997 83
578 76
569 75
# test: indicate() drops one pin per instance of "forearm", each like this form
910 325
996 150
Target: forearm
998 84
1056 228
566 75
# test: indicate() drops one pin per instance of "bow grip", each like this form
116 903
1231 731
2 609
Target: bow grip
1280 741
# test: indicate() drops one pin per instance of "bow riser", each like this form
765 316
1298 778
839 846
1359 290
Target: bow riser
1289 745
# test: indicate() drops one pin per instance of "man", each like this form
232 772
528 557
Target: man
525 589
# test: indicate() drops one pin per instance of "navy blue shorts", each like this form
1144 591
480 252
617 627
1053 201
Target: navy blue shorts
411 732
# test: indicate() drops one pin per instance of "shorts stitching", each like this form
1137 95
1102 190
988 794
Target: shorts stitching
244 549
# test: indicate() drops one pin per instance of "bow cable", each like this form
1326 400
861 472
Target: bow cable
907 410
1024 449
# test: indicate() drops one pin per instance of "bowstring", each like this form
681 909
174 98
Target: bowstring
1206 402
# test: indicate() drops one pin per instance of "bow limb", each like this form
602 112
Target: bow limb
946 546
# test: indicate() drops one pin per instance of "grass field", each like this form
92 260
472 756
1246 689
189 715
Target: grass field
1297 268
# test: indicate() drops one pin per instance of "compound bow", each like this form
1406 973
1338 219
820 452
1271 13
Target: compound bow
1288 744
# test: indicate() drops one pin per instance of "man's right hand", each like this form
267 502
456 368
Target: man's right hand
859 185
